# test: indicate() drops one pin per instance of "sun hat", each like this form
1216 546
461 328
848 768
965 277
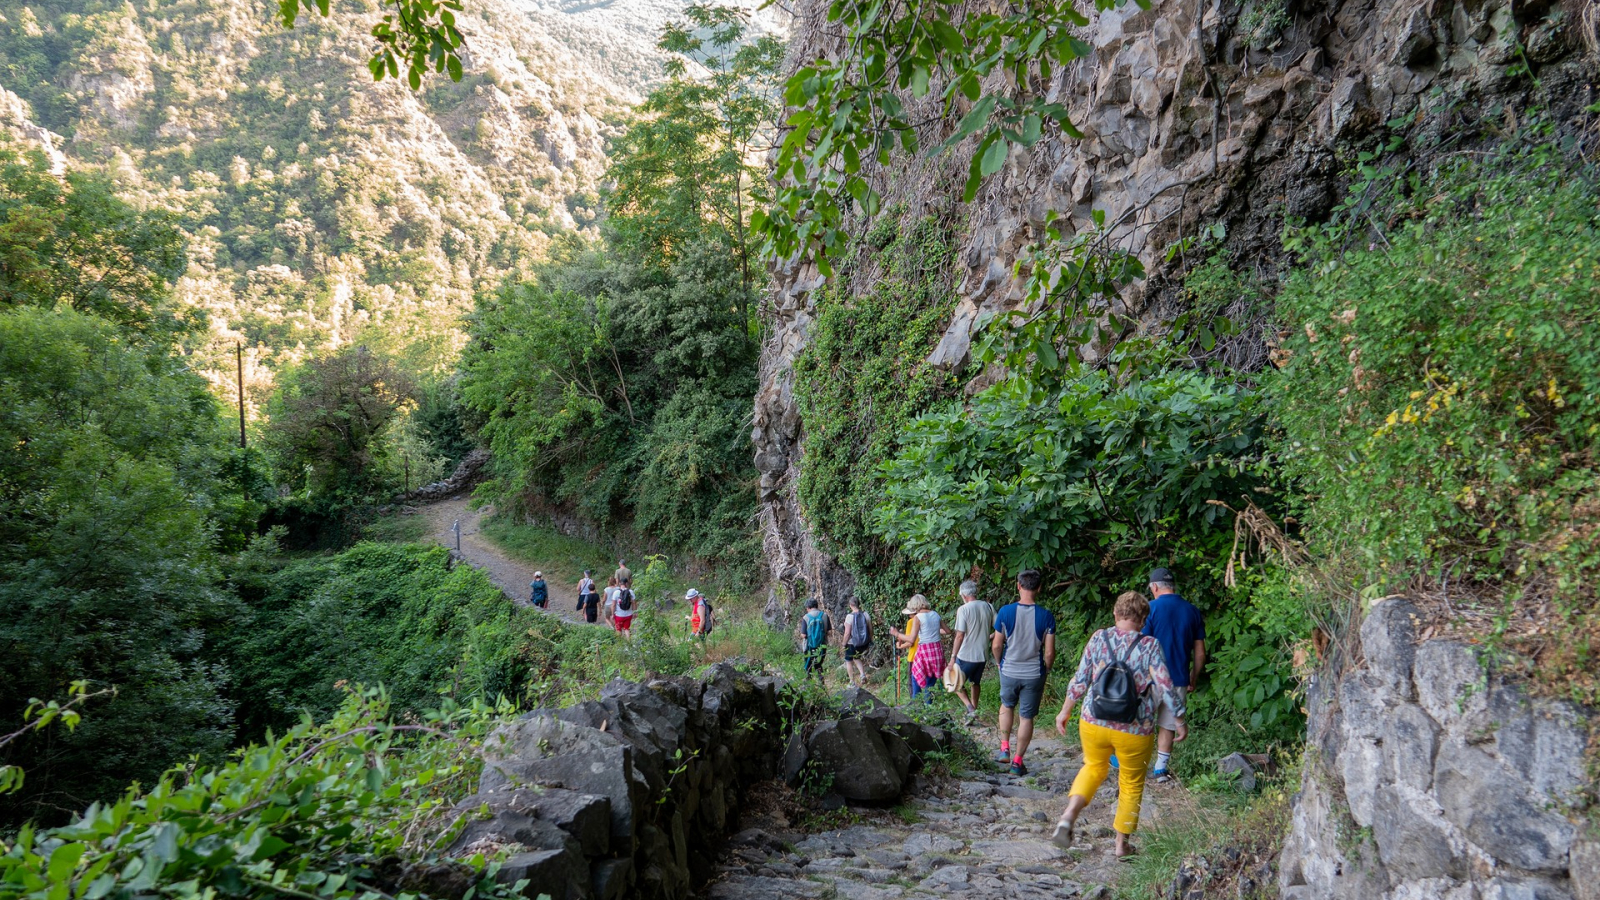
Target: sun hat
692 595
916 604
954 678
538 574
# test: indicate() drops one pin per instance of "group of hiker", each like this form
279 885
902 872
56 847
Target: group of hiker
1132 680
617 605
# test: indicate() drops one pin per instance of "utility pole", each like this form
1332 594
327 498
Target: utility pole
238 353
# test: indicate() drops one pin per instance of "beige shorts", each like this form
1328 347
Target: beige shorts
1166 716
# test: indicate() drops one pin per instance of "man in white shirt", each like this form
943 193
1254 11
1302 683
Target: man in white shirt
974 625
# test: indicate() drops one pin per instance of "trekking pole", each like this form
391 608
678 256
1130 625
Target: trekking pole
897 676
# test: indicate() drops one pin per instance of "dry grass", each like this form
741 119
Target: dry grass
1545 628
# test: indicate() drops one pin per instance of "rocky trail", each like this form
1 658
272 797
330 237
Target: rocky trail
981 834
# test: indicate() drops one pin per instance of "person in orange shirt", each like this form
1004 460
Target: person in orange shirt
701 618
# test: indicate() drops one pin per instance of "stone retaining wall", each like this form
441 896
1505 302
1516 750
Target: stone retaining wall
1428 776
632 795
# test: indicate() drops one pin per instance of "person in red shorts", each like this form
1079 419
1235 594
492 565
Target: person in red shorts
623 607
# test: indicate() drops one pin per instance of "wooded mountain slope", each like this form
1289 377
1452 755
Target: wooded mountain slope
322 208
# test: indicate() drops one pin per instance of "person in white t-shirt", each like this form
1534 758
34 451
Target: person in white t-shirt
623 606
974 625
857 638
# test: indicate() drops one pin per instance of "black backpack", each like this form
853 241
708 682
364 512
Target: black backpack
624 601
1115 694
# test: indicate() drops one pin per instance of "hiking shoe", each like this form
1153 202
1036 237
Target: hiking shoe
970 717
1018 769
1115 766
1002 756
1063 836
1163 777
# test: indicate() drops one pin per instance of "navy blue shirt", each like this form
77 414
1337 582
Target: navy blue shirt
1177 625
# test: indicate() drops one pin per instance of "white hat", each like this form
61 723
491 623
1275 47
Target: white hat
538 574
692 595
954 678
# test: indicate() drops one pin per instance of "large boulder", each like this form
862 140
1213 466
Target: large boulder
868 765
540 750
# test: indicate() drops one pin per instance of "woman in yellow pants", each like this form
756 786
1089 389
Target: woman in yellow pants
1127 730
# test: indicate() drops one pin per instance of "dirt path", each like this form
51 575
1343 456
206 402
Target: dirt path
510 575
985 836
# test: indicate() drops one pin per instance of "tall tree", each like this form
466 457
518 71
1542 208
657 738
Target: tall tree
70 240
108 463
685 171
329 415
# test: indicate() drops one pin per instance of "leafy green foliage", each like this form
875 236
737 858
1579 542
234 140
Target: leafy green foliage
618 380
72 241
329 417
850 110
397 615
684 170
41 714
422 33
1440 384
111 459
1090 481
861 377
1462 404
341 810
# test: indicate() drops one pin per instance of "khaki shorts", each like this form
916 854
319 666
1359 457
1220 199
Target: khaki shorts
1166 717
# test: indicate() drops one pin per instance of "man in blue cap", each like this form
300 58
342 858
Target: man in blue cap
1176 623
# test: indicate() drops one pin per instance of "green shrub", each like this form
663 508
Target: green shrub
1439 393
397 615
329 811
1094 479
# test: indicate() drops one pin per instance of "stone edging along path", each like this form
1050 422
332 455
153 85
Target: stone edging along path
648 793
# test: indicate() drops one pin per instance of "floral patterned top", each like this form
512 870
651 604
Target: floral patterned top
1149 666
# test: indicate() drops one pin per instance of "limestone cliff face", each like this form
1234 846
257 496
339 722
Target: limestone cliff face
1194 111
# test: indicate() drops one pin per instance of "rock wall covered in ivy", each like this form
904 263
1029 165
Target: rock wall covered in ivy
1193 113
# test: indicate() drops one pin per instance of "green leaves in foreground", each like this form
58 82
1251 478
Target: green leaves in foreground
993 68
421 33
323 812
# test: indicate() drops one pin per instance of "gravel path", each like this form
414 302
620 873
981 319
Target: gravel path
510 575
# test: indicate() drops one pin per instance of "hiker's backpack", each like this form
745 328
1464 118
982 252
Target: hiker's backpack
624 601
1115 694
705 616
860 630
816 630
